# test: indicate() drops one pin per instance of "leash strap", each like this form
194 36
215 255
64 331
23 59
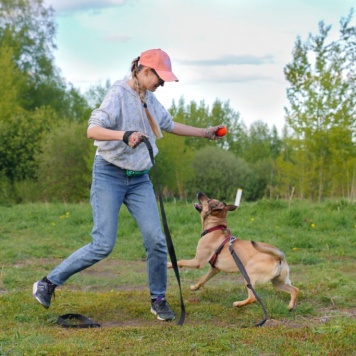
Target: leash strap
84 322
247 278
169 241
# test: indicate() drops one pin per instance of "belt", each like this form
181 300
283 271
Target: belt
130 173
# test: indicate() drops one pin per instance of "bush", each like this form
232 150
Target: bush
7 195
218 173
64 172
27 191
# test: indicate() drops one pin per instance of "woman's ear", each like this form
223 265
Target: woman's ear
146 71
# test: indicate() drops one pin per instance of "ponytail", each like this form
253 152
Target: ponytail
135 68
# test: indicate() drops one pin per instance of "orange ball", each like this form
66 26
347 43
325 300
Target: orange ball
221 132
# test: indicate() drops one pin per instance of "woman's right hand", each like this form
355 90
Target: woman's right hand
133 138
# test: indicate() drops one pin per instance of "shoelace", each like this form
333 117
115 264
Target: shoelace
50 290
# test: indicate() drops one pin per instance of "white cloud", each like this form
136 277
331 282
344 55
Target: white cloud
69 6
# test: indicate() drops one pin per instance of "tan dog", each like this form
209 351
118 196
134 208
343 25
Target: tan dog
262 262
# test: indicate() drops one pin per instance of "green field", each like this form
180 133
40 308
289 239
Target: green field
319 241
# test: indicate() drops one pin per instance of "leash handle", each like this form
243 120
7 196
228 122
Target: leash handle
169 241
84 321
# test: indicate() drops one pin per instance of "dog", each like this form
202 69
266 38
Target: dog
263 262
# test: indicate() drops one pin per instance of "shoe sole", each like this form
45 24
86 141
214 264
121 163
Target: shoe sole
34 291
159 318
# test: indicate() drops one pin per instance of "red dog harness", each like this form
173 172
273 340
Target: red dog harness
218 250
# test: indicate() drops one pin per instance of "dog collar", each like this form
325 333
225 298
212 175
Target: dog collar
218 227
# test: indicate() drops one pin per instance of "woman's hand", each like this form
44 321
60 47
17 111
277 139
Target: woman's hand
210 132
133 138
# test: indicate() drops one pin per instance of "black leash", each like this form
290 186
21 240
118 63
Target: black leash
248 281
81 321
169 241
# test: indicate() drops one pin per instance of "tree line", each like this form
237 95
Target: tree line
45 155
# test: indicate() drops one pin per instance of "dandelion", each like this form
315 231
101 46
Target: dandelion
252 219
312 226
295 248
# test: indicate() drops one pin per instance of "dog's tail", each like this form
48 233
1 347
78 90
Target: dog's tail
270 250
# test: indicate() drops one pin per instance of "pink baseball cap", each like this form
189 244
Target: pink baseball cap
160 62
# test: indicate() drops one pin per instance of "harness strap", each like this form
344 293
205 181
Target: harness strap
169 241
217 252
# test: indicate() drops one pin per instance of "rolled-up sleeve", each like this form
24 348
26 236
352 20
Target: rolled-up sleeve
99 117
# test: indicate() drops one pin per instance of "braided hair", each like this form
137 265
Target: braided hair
135 69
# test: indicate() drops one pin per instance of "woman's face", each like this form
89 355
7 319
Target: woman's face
150 80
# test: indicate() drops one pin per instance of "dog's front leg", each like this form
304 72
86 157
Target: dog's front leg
194 263
210 274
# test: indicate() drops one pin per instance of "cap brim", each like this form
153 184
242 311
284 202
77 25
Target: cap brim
167 76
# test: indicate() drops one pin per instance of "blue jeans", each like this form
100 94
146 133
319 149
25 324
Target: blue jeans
111 187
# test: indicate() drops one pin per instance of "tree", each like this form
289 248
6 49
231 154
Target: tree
96 93
33 95
258 145
322 113
28 28
11 85
200 115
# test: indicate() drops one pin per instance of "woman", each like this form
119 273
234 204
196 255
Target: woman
129 112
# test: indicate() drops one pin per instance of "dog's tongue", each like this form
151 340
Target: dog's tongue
198 207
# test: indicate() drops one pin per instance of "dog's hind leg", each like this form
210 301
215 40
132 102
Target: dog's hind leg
286 286
250 298
210 274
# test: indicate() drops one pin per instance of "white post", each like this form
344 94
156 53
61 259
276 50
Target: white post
238 197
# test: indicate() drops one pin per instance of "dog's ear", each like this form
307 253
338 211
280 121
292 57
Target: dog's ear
202 197
230 207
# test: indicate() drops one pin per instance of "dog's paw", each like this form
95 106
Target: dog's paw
169 265
194 287
236 304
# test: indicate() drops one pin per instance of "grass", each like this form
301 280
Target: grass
319 241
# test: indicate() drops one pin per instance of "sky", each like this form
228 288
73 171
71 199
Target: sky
231 50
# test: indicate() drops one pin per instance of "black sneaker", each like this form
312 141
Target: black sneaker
162 309
43 291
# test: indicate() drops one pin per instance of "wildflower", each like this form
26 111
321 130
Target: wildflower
65 216
295 249
252 219
312 226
